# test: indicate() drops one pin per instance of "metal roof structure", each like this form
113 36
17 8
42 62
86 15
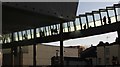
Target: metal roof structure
18 16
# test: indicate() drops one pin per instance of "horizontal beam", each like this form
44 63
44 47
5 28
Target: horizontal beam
69 35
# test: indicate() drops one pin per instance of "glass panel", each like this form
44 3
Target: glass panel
47 30
112 16
77 23
97 19
104 18
42 32
6 38
1 39
29 35
71 26
53 29
9 38
68 26
20 35
118 13
90 21
32 33
65 28
58 28
24 35
84 22
37 32
15 36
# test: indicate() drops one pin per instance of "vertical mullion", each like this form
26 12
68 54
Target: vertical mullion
56 28
68 26
26 34
93 19
31 33
59 28
45 31
115 13
39 32
87 21
74 25
63 27
22 34
46 28
49 30
80 22
100 17
18 36
107 13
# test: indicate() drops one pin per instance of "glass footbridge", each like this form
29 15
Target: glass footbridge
83 22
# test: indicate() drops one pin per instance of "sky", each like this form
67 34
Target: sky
94 40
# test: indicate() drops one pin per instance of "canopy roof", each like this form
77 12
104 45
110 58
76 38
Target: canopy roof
17 16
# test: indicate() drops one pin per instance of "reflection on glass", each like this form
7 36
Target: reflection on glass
29 35
104 14
47 30
58 28
37 32
112 16
77 24
15 36
84 22
65 28
71 26
97 19
118 13
90 21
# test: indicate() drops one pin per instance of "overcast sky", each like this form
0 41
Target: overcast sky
94 40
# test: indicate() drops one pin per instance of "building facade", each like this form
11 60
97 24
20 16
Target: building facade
43 57
108 54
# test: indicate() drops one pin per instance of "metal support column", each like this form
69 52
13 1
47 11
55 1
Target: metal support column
12 61
34 49
20 52
61 45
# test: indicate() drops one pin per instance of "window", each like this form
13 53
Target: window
99 60
107 51
107 60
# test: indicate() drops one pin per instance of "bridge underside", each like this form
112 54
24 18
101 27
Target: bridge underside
22 16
